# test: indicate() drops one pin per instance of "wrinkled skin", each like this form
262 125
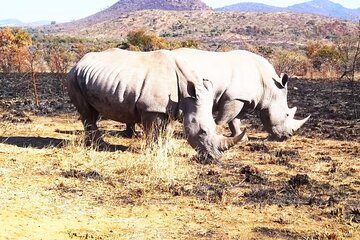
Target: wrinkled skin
148 88
202 136
242 82
278 119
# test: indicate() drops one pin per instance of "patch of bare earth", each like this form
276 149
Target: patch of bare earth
305 188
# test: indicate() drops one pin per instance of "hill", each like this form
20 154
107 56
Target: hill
18 23
124 6
320 7
250 7
238 29
10 22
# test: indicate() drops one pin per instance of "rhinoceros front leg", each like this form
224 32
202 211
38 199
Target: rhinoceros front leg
228 113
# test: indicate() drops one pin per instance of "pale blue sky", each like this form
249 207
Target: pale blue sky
67 10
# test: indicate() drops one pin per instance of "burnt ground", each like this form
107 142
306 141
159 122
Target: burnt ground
334 105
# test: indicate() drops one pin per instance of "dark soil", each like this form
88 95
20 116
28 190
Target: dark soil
334 105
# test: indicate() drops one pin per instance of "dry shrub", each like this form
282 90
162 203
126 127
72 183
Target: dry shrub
150 165
160 162
292 63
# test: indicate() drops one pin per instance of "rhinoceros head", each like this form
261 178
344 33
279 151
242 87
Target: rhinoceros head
277 117
199 125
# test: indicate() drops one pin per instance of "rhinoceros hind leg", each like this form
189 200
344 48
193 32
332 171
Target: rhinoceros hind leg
92 134
130 132
154 125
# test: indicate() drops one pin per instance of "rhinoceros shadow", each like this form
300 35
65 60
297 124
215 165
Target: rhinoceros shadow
34 142
113 133
42 143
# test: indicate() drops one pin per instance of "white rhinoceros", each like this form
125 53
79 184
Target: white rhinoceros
244 81
148 88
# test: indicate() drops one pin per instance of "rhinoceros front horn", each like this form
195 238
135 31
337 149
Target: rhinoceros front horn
298 123
228 142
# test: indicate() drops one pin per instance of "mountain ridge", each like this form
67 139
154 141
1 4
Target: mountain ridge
319 7
124 6
12 22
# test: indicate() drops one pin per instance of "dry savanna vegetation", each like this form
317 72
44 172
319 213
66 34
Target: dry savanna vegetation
53 187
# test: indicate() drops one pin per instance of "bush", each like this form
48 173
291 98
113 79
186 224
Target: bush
292 63
320 53
142 41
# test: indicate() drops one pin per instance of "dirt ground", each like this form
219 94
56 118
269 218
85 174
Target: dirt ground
53 188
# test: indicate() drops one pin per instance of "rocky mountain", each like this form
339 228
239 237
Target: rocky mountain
124 6
319 7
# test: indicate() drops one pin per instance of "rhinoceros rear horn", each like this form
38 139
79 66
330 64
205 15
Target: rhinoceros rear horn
228 142
298 123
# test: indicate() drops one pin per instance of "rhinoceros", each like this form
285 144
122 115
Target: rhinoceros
148 88
244 81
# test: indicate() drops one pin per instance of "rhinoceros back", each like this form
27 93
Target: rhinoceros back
121 84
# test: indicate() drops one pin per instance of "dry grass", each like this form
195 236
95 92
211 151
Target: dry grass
54 188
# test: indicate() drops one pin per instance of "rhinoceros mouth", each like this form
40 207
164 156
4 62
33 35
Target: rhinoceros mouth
215 146
276 138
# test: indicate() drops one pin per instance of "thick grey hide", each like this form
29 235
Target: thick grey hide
245 81
147 88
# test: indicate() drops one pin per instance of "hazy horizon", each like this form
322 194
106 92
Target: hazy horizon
59 11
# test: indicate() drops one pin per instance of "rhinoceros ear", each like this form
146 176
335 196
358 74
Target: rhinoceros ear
191 89
284 79
278 85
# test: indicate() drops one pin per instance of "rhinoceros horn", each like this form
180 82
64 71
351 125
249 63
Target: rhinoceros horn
228 142
296 124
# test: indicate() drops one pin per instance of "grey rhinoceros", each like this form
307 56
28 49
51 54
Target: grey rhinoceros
244 81
148 88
